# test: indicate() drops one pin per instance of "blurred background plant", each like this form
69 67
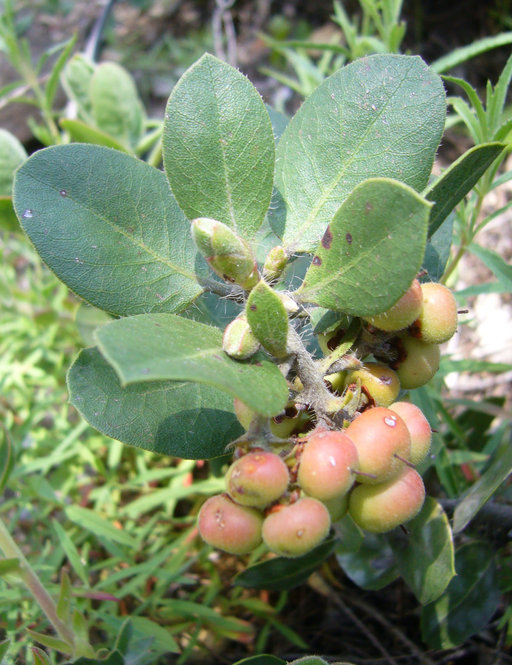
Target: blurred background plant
110 530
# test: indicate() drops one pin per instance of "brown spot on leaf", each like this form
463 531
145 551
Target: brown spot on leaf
317 261
327 238
348 238
368 207
253 308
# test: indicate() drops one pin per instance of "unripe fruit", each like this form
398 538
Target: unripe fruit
417 362
402 313
380 508
378 381
296 529
238 340
419 429
291 421
382 441
437 321
228 526
326 465
257 479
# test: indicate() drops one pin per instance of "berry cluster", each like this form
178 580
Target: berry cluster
288 487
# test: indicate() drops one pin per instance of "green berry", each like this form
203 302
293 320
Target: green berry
380 508
437 321
402 313
379 382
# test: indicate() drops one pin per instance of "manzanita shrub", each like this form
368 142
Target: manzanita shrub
273 294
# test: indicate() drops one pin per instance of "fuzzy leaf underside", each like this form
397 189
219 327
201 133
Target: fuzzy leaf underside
218 146
179 349
381 116
268 319
187 420
371 251
108 226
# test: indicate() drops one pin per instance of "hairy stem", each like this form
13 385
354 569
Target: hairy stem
34 585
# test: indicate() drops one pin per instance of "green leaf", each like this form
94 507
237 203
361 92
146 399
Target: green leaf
425 556
12 154
484 488
469 602
218 146
99 526
115 103
281 574
383 223
163 641
458 179
381 116
9 566
179 349
65 595
268 319
437 251
51 642
6 457
4 648
187 420
372 565
40 657
71 552
261 659
496 264
464 53
115 657
80 131
8 220
89 318
103 221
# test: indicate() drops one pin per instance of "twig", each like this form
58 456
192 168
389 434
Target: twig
317 583
223 26
422 658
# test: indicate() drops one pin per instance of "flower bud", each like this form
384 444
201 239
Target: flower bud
275 263
228 255
239 341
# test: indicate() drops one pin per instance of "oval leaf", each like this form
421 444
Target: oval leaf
383 223
179 349
425 556
280 574
268 319
379 116
187 420
116 106
103 221
218 146
469 602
